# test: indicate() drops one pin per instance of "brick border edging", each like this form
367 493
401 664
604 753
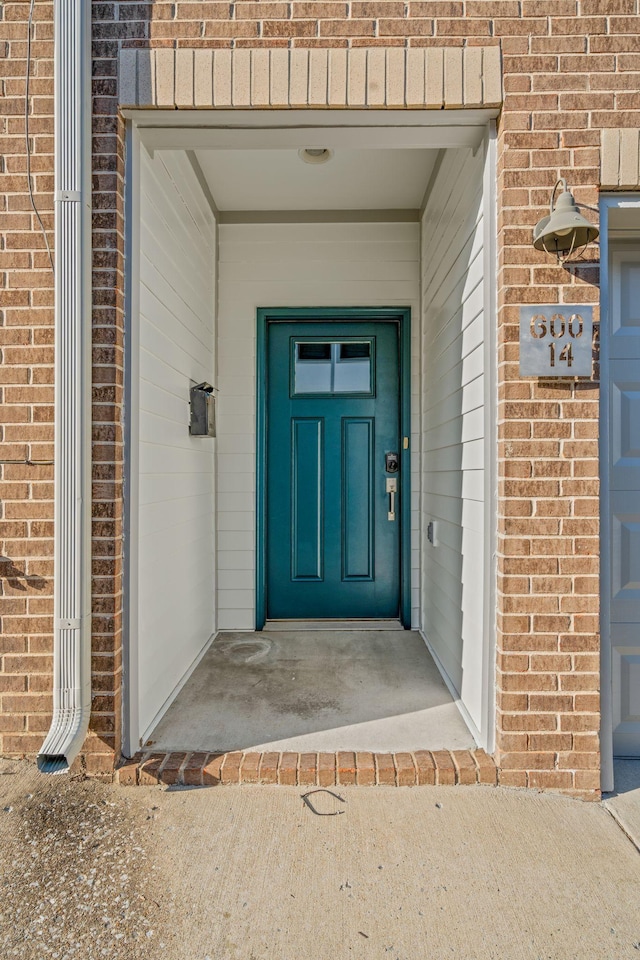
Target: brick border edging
420 768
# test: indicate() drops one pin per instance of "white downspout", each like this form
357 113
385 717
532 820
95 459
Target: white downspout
72 446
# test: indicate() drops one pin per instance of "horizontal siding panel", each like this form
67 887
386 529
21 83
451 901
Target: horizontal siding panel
461 484
287 252
240 619
336 233
442 280
157 458
458 429
449 509
242 482
438 390
170 174
453 416
190 257
297 264
236 580
240 521
459 328
469 456
236 540
458 248
180 171
162 307
239 441
230 405
235 501
156 517
176 492
315 271
236 348
237 600
155 400
242 299
161 487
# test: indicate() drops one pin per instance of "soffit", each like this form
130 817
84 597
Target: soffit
352 180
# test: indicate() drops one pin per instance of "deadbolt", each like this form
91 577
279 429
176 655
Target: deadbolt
392 462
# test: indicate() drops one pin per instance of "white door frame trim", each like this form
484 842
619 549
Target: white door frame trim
130 522
490 573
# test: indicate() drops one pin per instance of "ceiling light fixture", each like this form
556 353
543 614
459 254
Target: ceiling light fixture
315 154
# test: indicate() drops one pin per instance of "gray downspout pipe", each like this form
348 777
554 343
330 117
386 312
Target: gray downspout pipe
72 443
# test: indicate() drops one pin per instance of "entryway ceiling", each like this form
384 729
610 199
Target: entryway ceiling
352 180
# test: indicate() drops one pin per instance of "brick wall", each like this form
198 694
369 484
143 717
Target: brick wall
26 376
26 412
571 68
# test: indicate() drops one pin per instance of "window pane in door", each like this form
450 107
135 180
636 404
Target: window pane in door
332 368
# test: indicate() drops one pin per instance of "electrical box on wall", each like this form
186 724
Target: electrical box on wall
203 411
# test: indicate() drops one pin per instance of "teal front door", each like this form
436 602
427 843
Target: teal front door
333 450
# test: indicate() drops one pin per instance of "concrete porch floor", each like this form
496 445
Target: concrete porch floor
314 690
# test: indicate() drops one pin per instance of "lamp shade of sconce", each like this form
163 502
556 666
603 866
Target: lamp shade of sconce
565 230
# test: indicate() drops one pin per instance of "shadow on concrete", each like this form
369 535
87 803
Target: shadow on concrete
626 778
624 801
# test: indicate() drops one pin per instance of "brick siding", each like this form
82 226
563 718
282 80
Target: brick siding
345 768
571 69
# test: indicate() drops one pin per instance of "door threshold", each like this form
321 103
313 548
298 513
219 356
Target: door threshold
297 625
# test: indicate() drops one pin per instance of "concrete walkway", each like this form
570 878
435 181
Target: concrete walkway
249 873
314 690
624 802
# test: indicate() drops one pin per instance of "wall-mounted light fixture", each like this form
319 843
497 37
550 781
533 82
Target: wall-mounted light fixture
565 231
202 420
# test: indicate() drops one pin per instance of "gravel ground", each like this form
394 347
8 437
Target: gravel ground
76 880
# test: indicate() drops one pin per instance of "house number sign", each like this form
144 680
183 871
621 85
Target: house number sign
555 341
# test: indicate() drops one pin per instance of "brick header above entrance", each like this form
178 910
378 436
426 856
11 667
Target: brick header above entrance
620 159
430 78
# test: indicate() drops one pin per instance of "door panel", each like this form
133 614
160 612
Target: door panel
333 413
624 496
625 304
307 468
358 512
624 386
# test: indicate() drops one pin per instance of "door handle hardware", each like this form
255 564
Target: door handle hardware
392 489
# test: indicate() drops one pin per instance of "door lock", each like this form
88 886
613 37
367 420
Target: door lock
392 489
391 462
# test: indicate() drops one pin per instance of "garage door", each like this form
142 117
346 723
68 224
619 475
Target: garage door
623 573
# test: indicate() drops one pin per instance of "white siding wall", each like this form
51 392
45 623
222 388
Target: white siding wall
454 274
298 265
176 561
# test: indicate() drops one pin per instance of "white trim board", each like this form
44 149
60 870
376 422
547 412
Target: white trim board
290 138
308 118
386 117
285 129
